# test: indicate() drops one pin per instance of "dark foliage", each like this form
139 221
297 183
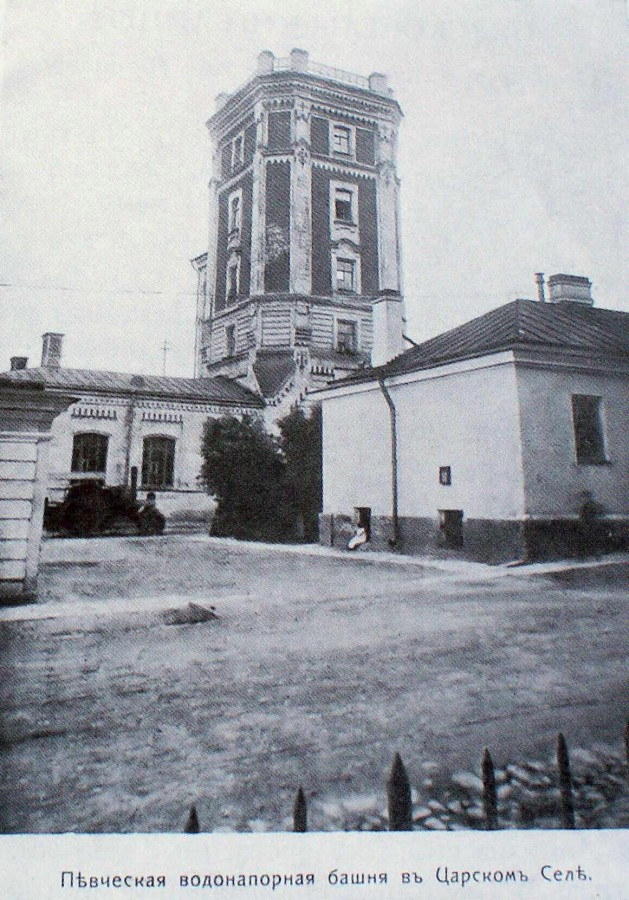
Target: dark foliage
244 470
266 489
300 442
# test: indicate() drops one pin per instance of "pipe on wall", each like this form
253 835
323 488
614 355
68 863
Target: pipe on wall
395 532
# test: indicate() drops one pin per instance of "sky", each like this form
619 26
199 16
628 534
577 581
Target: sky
512 155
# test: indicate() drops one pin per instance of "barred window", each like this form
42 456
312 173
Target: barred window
158 462
89 452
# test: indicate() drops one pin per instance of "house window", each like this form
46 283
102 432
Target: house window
234 213
89 453
237 151
343 205
341 140
230 339
345 275
587 420
346 338
232 280
158 462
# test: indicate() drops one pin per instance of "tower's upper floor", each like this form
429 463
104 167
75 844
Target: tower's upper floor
303 211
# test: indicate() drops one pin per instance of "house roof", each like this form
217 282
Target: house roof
516 325
272 371
219 390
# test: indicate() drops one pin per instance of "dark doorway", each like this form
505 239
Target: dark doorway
363 515
451 527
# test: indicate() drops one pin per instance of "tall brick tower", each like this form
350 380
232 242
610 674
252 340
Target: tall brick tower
301 282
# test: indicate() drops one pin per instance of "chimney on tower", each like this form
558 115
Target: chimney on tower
51 350
18 362
541 295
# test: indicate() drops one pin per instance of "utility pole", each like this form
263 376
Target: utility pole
165 349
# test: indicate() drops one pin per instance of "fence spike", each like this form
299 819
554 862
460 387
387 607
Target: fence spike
300 812
565 783
192 824
627 744
490 801
399 795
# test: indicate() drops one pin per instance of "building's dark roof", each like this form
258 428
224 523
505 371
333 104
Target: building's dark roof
516 325
218 390
272 371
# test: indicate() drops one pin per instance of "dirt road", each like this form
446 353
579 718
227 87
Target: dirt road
317 669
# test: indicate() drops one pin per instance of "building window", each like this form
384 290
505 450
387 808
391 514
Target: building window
346 336
341 140
344 205
158 462
589 439
238 145
234 213
230 340
345 275
89 453
233 277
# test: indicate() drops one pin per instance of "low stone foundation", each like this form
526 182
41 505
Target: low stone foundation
486 540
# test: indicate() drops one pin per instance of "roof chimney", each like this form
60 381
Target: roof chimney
51 350
18 362
572 288
541 295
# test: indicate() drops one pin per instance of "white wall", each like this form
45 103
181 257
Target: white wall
187 492
463 416
553 479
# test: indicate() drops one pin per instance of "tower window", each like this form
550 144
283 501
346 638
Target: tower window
346 338
89 452
341 140
230 340
345 275
232 280
158 462
237 151
343 211
587 421
234 213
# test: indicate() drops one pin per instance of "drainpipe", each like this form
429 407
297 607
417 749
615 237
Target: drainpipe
395 534
128 433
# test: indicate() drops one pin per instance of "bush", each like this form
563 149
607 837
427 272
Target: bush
243 469
265 489
300 442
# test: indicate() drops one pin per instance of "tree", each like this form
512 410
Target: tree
300 442
244 470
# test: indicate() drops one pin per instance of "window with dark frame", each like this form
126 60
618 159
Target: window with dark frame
345 275
346 337
343 211
237 151
341 140
158 462
230 339
232 281
234 213
89 452
589 438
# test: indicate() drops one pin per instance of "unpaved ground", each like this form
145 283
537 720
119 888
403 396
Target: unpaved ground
318 668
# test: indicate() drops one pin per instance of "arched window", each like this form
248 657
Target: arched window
158 462
89 452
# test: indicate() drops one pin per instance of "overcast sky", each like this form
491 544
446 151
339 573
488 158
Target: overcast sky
512 154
